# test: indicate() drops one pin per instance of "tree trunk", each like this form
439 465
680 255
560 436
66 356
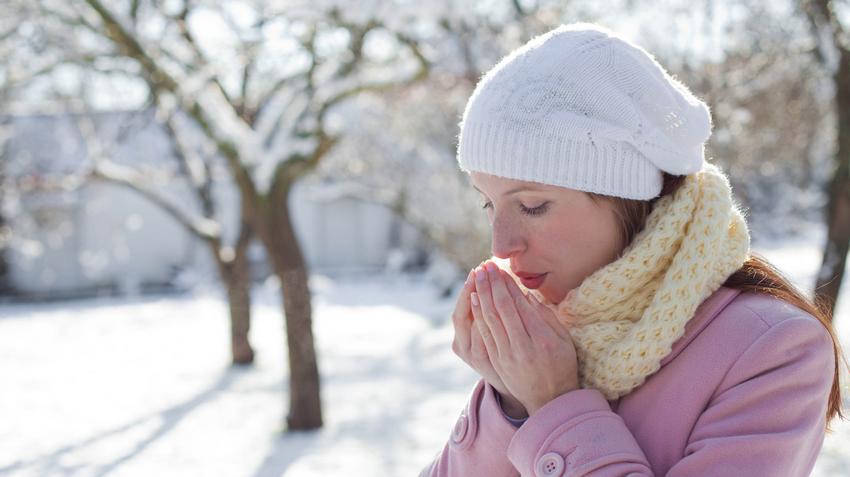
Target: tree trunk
5 231
305 410
235 274
5 286
278 235
838 208
239 300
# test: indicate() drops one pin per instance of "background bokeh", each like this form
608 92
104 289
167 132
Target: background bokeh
232 232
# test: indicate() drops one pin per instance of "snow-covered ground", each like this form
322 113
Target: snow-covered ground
142 386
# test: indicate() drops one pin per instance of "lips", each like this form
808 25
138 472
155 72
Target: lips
531 280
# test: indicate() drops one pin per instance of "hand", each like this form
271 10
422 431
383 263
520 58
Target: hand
531 351
468 345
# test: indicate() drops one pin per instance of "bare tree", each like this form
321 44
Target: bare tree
203 221
771 118
36 44
833 50
264 94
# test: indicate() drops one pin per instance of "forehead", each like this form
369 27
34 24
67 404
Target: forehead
496 186
489 183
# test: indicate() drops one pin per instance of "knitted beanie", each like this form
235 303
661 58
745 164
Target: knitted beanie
582 108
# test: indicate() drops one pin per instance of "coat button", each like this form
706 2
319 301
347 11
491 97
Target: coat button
550 464
460 429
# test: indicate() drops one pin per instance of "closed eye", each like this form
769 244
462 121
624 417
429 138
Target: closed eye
531 211
540 209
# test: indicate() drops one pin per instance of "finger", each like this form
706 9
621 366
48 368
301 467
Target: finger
463 298
482 331
533 311
488 311
517 295
525 307
512 287
476 345
506 307
461 317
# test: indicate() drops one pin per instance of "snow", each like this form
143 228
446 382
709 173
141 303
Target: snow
142 386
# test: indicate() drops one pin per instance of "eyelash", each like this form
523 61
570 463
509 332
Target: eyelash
540 209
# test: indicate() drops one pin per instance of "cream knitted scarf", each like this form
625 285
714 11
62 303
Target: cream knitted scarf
625 317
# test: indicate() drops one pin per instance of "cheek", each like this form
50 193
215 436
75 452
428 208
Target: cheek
579 246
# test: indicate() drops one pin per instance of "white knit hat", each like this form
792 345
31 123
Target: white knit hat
583 108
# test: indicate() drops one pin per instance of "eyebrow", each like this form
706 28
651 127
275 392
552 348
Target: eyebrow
514 190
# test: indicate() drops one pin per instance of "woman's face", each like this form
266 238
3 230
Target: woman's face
559 233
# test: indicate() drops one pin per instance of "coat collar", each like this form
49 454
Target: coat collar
705 312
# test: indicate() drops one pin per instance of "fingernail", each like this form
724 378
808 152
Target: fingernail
474 299
479 275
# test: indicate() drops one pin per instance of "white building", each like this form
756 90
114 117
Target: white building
102 236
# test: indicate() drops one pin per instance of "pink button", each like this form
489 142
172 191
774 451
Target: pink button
460 429
550 464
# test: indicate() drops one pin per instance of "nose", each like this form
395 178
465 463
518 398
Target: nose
507 237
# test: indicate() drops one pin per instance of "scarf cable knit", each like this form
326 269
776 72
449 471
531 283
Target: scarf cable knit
625 317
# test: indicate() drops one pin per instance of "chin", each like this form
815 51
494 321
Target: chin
550 295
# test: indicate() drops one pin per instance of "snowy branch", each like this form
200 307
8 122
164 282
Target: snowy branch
288 126
110 171
201 226
215 117
181 20
194 167
829 34
375 86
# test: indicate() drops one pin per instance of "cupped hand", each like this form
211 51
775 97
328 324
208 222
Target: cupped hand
530 350
468 345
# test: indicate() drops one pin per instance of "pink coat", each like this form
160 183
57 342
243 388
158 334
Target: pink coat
743 392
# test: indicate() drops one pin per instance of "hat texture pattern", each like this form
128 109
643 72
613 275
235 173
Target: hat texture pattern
582 108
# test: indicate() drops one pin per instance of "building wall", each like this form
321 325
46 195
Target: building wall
106 236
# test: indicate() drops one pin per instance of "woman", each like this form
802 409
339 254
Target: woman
623 327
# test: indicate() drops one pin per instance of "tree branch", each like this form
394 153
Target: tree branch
358 35
821 14
194 167
520 11
421 73
79 20
107 170
134 12
160 80
202 227
269 96
132 48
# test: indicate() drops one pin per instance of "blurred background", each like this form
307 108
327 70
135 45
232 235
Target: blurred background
232 232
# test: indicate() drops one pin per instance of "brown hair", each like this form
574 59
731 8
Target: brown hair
756 275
